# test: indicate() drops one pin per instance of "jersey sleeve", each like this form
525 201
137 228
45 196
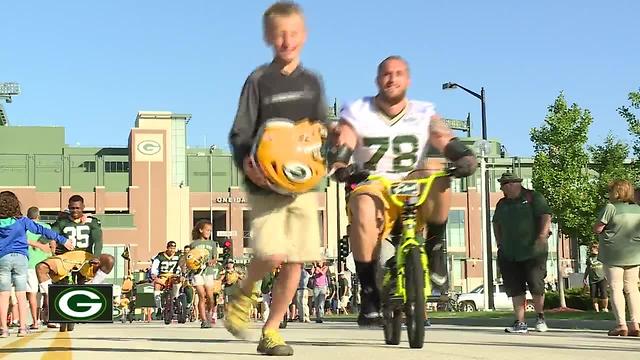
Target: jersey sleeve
242 131
320 106
349 113
155 266
96 236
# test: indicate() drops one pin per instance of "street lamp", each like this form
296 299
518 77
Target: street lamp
212 149
487 199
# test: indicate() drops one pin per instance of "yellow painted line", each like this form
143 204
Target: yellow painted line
20 343
60 348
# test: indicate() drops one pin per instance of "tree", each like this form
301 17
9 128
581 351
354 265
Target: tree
633 123
560 172
608 161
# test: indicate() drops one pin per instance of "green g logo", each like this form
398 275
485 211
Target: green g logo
83 304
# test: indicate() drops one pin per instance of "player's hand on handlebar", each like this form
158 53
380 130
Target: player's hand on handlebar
465 166
350 174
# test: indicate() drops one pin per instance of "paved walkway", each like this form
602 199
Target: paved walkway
155 341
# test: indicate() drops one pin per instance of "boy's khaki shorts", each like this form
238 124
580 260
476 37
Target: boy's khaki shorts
283 225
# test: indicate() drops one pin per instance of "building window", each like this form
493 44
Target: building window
457 279
246 228
456 185
456 231
89 166
116 166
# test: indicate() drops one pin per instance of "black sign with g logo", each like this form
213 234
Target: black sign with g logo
81 303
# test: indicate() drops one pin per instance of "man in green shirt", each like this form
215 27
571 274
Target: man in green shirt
595 278
521 223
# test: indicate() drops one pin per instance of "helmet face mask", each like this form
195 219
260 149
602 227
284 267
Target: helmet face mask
290 154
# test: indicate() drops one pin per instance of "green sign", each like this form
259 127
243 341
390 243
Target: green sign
457 124
81 303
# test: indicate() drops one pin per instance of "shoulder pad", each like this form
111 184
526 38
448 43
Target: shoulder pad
423 107
95 220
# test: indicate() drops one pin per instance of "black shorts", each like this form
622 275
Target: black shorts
599 289
520 275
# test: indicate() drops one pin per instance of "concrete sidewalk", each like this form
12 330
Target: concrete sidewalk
603 325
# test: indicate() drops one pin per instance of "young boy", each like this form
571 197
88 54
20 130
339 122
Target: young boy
594 277
285 228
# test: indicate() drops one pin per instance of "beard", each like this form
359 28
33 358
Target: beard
392 100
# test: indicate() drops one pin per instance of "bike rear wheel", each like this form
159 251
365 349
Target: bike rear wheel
414 307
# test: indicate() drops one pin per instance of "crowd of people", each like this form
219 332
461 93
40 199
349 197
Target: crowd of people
34 255
522 221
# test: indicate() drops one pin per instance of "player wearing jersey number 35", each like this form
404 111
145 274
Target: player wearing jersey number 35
85 259
390 135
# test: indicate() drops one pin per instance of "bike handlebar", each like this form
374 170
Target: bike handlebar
400 191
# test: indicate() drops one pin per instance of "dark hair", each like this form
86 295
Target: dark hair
195 233
76 198
392 57
171 243
9 205
33 212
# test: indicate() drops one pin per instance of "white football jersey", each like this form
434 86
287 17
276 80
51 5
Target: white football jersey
389 147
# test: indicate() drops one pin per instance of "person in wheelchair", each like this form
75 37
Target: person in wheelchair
165 272
390 135
84 263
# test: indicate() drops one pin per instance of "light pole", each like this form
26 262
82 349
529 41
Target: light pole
488 255
212 148
7 90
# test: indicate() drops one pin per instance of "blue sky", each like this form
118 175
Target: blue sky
90 66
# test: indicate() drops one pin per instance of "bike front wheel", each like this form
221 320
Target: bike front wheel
392 325
167 309
414 306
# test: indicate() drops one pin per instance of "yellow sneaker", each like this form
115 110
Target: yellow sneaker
272 343
238 313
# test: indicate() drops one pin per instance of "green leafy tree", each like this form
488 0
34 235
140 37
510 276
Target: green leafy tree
560 171
633 123
608 162
560 168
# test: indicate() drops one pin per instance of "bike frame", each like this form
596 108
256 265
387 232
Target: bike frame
409 195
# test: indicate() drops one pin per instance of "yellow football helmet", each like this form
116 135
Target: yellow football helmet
290 154
196 258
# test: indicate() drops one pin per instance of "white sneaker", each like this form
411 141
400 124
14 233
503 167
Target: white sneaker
541 325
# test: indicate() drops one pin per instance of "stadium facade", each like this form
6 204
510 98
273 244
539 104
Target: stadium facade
156 188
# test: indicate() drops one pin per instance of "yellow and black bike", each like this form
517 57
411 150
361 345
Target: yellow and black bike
406 281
